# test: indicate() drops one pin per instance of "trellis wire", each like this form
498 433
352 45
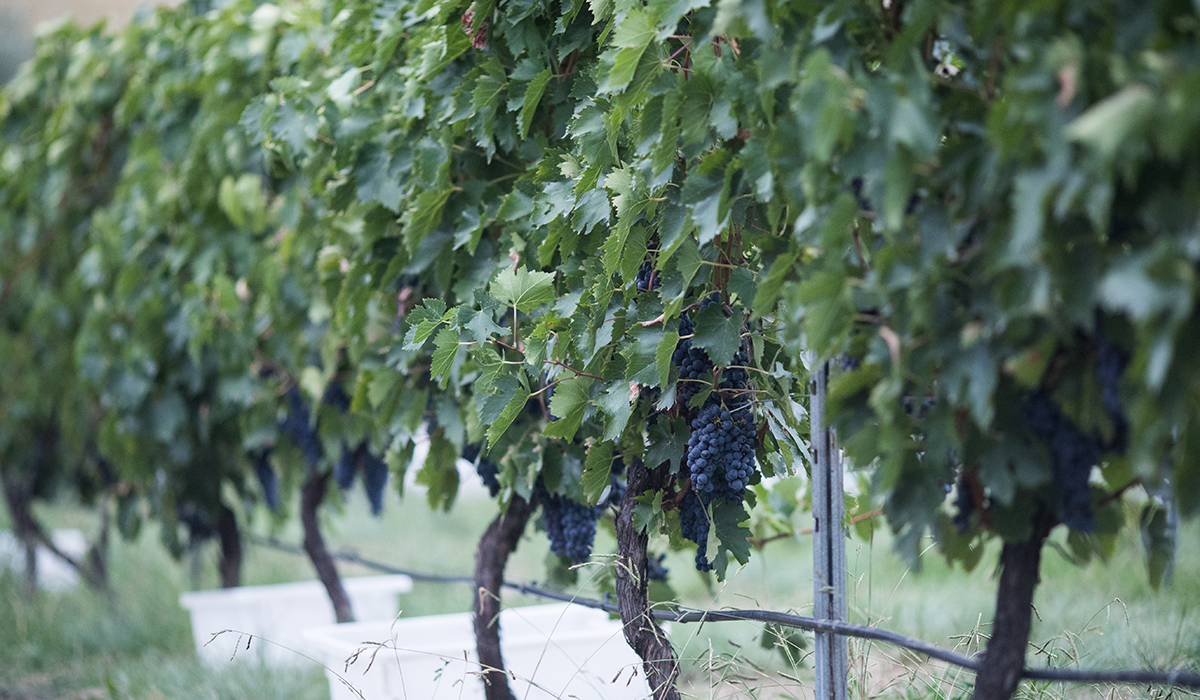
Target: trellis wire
678 613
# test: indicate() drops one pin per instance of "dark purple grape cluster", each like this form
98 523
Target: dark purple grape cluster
298 426
570 526
374 469
1073 453
267 478
735 375
647 278
1111 362
693 521
694 370
655 571
336 396
375 478
346 469
687 328
695 367
720 456
484 467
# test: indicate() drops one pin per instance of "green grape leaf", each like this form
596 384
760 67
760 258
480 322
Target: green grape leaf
641 357
663 360
423 215
439 474
597 471
523 289
491 405
533 95
446 350
398 460
568 405
614 403
511 410
667 443
1158 538
479 325
688 260
423 321
768 291
732 534
717 335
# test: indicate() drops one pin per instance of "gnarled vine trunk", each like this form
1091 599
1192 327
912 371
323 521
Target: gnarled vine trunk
311 496
497 543
31 571
1000 671
641 631
230 563
18 495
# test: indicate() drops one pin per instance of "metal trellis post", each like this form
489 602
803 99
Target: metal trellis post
829 545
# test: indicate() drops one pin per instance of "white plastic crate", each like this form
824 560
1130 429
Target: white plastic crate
277 615
555 651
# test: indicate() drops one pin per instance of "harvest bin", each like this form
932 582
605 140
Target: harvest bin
568 651
277 615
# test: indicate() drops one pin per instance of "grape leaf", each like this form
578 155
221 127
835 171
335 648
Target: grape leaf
479 324
597 471
533 95
569 403
439 473
615 404
422 322
514 407
523 289
446 349
717 335
727 523
663 356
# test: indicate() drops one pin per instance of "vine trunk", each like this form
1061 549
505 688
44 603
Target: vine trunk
311 497
18 495
497 543
230 537
1000 672
641 631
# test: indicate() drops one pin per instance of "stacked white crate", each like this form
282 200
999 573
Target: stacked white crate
554 651
277 615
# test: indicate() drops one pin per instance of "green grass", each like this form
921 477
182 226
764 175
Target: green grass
138 644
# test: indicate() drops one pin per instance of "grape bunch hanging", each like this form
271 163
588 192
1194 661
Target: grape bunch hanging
1073 450
693 522
571 526
695 367
299 427
720 456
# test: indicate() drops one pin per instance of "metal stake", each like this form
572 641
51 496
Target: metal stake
829 546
